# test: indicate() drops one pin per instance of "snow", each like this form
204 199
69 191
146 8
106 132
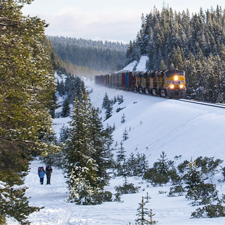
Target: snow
140 65
154 125
130 66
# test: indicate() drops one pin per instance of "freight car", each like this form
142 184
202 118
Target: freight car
170 83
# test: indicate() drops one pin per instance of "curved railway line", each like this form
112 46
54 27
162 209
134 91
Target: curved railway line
203 103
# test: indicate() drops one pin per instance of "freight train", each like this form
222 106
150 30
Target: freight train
170 83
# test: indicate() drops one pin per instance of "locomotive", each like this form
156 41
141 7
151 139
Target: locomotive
170 83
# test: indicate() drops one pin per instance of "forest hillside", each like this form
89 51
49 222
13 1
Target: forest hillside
193 43
88 57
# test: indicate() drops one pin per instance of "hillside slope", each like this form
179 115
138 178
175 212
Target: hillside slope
157 124
154 125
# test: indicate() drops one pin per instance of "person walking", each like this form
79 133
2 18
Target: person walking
41 174
48 173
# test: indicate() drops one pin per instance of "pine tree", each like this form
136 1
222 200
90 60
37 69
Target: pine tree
143 213
125 134
66 108
80 189
102 152
79 147
162 66
123 119
121 154
13 205
27 85
105 101
64 133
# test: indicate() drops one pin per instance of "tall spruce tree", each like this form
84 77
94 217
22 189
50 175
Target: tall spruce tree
66 108
79 148
102 154
85 154
27 84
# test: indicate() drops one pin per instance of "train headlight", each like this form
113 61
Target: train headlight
181 86
172 86
176 78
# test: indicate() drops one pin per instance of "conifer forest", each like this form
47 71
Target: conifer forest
193 43
41 87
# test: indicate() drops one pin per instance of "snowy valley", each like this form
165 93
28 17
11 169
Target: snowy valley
154 125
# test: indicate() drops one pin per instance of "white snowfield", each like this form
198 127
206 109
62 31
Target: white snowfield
154 125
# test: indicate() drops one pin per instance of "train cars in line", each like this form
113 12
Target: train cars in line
170 83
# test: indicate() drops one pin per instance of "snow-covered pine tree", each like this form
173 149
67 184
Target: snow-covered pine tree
162 66
79 148
66 108
27 85
74 86
123 120
125 134
102 154
108 112
61 88
80 190
64 133
13 205
120 99
121 154
143 213
105 101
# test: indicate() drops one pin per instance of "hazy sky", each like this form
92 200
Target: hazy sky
114 20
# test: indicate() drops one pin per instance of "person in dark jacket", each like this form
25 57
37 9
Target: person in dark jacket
48 173
41 174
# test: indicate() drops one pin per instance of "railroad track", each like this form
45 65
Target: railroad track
218 105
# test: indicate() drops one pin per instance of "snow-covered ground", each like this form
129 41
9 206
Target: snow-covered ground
137 65
154 125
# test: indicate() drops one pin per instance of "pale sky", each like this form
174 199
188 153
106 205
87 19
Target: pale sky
113 20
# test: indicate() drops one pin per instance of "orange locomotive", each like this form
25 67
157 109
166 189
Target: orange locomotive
170 83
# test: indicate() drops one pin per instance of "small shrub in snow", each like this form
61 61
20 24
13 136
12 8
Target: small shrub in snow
120 99
125 134
159 174
119 109
202 194
210 211
174 177
162 192
117 197
176 191
127 188
123 120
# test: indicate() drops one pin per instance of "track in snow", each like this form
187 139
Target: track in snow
204 103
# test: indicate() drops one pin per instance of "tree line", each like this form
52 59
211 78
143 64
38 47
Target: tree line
27 86
193 43
99 57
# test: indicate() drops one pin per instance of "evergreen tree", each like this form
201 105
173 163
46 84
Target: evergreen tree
123 118
64 133
108 112
27 85
121 154
61 88
79 149
125 134
66 108
102 152
162 66
105 101
13 205
143 213
160 173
